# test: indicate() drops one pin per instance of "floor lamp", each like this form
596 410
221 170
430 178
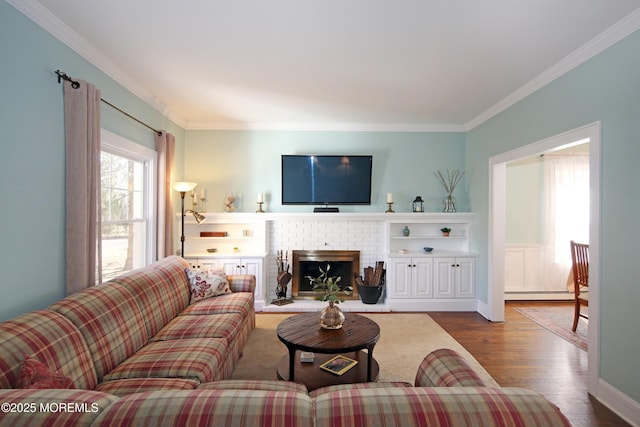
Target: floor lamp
183 188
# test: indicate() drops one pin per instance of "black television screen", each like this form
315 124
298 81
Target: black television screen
326 179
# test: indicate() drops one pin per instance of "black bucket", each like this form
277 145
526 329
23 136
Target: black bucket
370 294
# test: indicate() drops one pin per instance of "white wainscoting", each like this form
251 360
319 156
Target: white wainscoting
524 267
525 274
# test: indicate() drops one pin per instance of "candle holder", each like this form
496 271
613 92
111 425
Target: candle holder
389 210
260 207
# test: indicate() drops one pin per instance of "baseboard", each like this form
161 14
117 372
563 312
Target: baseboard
433 304
534 296
618 402
483 309
301 306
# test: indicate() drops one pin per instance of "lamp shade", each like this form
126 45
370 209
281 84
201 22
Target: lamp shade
199 217
184 187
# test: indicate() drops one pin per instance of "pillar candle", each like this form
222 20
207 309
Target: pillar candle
389 198
260 197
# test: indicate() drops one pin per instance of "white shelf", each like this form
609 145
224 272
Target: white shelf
246 232
221 238
427 236
215 255
432 254
425 231
442 279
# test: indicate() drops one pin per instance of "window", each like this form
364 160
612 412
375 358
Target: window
128 200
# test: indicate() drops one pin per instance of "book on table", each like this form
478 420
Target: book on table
339 364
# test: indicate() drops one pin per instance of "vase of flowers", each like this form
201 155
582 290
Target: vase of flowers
331 317
449 183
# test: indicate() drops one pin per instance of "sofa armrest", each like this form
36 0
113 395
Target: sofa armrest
446 368
242 282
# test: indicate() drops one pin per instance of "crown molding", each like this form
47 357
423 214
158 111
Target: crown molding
49 22
328 127
40 15
606 39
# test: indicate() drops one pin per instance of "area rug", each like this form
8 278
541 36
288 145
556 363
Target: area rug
405 339
559 320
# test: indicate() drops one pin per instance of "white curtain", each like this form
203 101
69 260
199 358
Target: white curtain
165 146
566 180
82 151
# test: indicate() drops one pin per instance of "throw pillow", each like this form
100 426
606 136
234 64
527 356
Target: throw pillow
35 374
207 283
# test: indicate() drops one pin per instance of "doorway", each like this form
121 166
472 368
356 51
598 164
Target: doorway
547 205
497 219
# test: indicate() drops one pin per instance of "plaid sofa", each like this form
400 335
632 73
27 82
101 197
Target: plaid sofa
136 333
460 400
138 353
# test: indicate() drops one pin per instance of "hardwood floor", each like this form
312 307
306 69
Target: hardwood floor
519 353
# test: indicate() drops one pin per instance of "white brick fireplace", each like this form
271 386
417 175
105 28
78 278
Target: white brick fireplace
341 231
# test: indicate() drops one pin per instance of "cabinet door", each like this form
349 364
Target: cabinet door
231 265
251 266
465 277
193 262
254 266
202 262
208 263
422 277
444 278
401 278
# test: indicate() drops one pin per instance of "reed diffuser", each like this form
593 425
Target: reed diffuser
449 183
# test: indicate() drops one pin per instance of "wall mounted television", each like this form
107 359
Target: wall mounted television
326 179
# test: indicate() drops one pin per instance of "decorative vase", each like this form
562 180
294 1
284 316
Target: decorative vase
406 231
331 317
230 202
449 204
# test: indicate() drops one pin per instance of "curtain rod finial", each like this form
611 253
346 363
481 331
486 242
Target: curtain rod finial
64 76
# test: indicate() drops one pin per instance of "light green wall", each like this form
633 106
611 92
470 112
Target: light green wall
606 88
249 162
32 259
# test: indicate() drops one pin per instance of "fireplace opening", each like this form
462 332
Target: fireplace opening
308 263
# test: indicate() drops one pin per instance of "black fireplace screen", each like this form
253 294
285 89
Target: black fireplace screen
342 264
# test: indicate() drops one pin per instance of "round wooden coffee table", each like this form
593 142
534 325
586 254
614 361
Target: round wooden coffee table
303 333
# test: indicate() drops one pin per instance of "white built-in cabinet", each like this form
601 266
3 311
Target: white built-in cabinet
443 279
411 277
239 248
454 277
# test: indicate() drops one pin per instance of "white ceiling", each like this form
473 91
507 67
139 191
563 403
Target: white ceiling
329 64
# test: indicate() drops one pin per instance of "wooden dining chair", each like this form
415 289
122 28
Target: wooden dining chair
580 269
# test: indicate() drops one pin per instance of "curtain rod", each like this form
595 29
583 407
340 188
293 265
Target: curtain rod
75 84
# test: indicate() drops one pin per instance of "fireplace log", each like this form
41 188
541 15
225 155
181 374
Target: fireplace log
372 277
